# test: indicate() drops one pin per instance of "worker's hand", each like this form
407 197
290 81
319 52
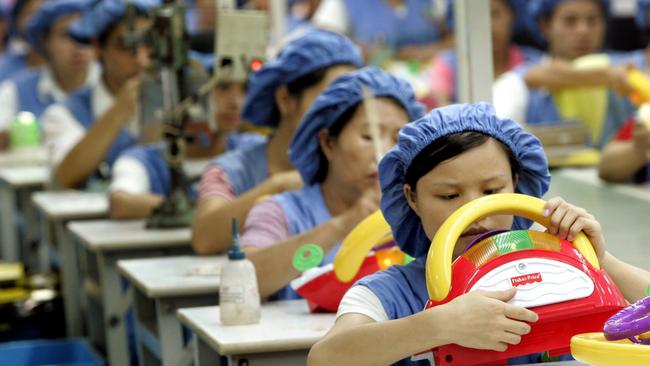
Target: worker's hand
286 181
641 137
617 77
126 101
484 320
568 220
364 206
421 53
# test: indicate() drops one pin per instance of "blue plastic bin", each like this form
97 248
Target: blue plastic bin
69 352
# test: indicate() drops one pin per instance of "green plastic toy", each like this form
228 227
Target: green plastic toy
307 257
25 132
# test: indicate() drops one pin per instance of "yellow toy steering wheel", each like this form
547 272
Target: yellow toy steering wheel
439 258
356 246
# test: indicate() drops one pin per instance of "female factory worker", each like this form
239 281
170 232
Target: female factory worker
277 97
87 132
627 158
413 29
19 54
140 176
333 151
69 65
506 55
449 157
572 28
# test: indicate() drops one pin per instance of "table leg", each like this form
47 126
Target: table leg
8 227
69 273
113 303
170 332
204 355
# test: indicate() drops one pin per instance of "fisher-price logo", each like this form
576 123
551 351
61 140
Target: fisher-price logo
526 279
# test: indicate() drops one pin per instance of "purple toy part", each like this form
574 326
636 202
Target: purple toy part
482 237
630 322
386 245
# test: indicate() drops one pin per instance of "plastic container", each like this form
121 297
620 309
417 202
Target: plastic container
239 298
69 352
25 132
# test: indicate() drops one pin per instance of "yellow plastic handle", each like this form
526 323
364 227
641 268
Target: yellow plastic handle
356 246
640 83
438 267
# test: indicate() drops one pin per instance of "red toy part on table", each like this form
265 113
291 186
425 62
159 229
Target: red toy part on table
325 292
556 281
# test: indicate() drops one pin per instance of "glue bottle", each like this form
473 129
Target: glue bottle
239 298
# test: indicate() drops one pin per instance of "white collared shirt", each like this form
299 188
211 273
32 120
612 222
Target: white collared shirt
46 88
62 131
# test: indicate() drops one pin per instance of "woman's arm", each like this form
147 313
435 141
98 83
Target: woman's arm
211 229
478 320
555 75
132 206
620 160
426 52
274 263
85 157
632 281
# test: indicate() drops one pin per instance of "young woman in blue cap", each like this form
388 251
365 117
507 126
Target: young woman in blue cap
451 156
277 97
627 157
505 19
333 151
87 132
572 29
140 177
69 65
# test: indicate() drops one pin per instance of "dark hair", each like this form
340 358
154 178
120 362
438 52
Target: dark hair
18 8
448 147
103 37
334 131
298 86
600 3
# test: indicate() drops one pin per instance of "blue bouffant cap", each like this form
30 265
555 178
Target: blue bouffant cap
343 94
315 50
41 22
533 177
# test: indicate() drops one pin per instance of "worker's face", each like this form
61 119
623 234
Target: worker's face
575 28
352 162
478 172
304 101
502 19
227 99
66 56
118 61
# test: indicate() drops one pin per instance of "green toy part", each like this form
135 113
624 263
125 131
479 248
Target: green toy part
307 257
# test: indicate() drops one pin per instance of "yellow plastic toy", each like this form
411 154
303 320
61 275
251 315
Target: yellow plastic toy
640 83
356 246
438 270
593 349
